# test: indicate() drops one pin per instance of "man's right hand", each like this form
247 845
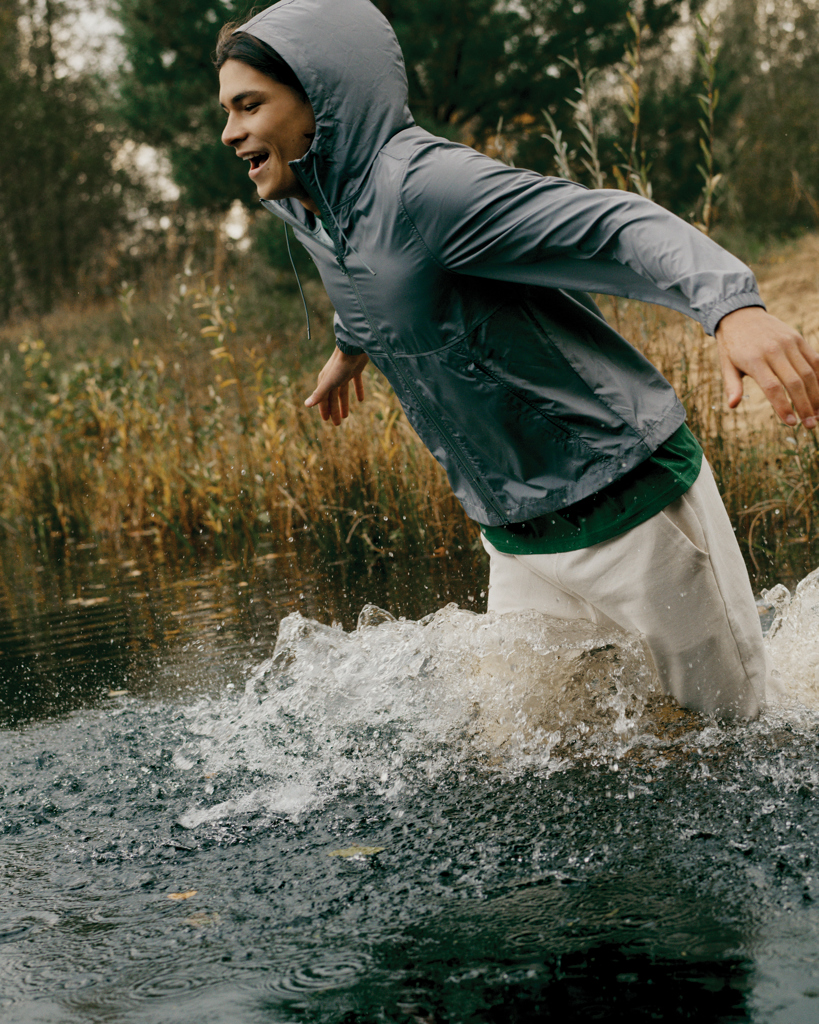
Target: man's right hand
332 394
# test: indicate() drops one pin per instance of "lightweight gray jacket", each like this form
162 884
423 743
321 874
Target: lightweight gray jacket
463 279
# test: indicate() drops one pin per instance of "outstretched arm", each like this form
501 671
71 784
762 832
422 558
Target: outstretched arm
752 342
332 394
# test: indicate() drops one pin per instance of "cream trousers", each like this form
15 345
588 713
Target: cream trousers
678 580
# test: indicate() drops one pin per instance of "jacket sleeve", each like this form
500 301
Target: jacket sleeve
479 217
344 340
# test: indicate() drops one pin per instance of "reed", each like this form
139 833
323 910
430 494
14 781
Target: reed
199 431
768 474
185 421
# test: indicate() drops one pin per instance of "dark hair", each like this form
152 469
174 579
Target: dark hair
242 46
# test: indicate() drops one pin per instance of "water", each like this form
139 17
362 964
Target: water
219 806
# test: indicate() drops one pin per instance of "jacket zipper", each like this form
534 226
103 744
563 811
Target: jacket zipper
487 496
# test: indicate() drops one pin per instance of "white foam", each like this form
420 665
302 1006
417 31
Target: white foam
396 701
793 645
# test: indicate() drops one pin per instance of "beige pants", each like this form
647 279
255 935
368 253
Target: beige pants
678 580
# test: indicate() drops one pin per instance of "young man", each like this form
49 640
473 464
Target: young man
464 281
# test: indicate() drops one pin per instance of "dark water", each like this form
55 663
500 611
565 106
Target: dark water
442 820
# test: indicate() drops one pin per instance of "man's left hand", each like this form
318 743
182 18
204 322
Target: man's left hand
752 342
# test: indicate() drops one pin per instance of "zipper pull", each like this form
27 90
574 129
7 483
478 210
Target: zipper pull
342 265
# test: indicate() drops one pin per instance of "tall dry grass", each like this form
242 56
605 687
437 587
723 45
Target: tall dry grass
202 430
768 474
197 427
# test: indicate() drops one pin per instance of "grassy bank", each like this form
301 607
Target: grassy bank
185 418
178 413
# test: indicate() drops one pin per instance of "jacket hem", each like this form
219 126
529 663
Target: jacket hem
595 480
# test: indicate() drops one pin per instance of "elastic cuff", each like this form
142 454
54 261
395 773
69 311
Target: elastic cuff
739 301
348 350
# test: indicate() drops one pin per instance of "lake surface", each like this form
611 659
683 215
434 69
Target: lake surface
219 806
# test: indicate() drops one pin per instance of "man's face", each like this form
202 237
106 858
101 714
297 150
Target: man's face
268 125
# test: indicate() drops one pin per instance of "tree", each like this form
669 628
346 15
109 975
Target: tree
60 195
767 75
168 95
770 67
472 62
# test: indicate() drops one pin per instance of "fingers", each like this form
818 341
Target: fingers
753 342
733 382
332 402
332 394
334 408
335 405
778 398
790 378
811 359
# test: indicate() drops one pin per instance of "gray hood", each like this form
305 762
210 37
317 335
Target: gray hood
347 58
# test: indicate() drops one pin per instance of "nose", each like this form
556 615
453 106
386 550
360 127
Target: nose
232 134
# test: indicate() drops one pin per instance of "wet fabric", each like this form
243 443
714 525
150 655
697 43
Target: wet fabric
621 506
678 580
464 280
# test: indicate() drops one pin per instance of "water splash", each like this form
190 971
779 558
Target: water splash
397 701
793 645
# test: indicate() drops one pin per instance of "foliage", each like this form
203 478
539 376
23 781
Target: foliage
760 93
770 62
198 432
168 94
471 62
61 198
708 100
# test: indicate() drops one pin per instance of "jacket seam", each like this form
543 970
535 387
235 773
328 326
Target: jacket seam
527 311
412 223
556 422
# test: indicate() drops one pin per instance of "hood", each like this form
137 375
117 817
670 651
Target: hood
347 58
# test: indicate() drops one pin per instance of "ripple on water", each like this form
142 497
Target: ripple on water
300 972
525 780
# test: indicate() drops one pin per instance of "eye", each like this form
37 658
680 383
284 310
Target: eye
252 106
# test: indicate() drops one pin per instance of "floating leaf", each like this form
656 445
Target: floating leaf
356 851
182 895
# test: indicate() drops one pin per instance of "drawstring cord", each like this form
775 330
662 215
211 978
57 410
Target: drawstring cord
298 282
350 245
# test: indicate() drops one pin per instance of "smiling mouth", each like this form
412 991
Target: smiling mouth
256 160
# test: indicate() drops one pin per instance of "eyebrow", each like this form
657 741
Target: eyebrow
241 96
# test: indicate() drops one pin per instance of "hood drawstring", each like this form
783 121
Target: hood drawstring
298 282
350 245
